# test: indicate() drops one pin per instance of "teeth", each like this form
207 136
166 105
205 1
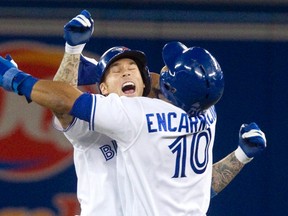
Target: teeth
128 87
128 84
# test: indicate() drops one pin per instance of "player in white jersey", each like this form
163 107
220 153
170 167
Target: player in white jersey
83 154
163 150
232 163
61 98
166 155
94 153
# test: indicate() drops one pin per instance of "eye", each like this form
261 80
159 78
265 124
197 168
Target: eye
114 70
132 66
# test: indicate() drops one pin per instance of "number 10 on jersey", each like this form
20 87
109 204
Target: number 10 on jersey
199 153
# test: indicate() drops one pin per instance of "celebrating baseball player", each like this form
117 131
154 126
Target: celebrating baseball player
164 161
94 153
231 164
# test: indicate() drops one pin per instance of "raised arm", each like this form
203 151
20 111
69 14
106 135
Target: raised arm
252 141
57 96
224 172
68 73
76 33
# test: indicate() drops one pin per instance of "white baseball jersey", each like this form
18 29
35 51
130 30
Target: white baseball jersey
164 161
95 164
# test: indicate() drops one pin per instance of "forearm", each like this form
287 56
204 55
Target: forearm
252 141
76 33
67 73
68 70
224 171
56 96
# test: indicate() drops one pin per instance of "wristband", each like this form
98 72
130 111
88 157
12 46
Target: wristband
74 49
241 156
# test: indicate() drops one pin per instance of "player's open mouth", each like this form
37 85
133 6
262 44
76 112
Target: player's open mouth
128 88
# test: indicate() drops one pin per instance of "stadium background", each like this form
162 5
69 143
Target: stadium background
248 38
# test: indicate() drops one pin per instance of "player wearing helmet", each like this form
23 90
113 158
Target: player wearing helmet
186 71
109 68
108 76
114 55
164 162
158 154
94 153
122 71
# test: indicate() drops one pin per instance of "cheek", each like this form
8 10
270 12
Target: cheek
114 85
112 81
141 83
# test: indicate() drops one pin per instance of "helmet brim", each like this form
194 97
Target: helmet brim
137 56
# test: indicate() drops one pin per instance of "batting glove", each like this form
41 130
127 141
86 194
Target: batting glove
77 32
6 65
252 141
11 78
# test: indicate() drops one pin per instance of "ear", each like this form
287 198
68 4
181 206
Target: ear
103 88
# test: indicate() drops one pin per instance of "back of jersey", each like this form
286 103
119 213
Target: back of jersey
165 159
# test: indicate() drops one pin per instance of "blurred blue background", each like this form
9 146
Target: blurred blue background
249 40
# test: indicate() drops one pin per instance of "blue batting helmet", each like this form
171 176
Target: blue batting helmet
193 80
120 52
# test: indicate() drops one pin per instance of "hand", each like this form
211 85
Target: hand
5 65
11 78
251 139
80 29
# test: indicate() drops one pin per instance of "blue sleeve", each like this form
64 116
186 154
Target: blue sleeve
82 107
87 71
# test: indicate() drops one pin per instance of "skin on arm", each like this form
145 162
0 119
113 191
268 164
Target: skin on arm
57 96
67 73
224 171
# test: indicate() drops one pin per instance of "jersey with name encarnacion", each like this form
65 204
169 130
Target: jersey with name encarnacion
164 162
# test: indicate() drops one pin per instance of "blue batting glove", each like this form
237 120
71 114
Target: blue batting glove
9 58
252 141
80 29
5 65
12 79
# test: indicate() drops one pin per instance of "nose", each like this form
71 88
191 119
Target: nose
126 73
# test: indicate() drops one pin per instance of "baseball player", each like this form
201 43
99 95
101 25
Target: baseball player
164 151
81 156
25 88
232 164
94 153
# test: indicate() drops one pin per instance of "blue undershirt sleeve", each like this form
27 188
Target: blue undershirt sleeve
82 107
